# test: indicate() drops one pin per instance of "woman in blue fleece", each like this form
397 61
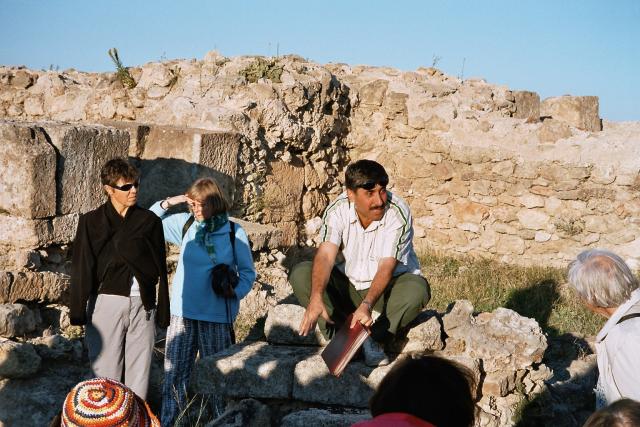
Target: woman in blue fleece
201 321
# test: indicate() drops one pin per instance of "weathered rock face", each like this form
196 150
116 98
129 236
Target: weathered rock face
16 320
279 149
579 111
17 360
502 350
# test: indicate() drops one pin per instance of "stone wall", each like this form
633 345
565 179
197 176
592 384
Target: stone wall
487 170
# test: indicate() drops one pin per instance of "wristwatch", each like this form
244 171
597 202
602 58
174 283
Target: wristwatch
368 304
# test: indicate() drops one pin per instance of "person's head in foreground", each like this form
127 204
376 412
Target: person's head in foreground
423 390
206 199
623 413
602 280
103 402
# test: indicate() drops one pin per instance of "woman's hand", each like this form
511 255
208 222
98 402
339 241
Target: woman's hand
175 200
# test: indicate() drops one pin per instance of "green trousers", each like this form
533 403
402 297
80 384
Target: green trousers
406 295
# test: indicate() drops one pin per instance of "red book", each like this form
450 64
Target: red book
343 346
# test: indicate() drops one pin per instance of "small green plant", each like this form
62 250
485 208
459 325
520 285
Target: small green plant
122 72
175 74
263 68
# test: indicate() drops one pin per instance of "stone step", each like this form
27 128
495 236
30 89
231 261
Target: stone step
324 418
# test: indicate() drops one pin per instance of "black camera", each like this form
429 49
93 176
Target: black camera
224 280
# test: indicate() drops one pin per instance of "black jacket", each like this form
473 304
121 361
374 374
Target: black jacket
109 250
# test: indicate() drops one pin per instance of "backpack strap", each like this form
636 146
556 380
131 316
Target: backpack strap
627 317
232 237
186 225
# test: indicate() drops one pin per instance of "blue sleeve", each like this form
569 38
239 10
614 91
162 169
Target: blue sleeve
171 224
246 269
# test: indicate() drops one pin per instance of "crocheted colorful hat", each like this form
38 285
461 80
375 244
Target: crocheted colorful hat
103 402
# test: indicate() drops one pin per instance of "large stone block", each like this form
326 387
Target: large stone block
324 418
503 340
17 360
262 236
281 326
282 192
172 158
28 164
82 151
314 383
527 105
18 232
255 370
579 111
33 287
245 413
16 320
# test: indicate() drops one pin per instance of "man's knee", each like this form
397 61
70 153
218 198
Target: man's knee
300 281
413 290
300 274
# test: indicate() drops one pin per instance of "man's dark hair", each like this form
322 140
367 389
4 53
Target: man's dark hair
118 168
622 413
365 174
434 389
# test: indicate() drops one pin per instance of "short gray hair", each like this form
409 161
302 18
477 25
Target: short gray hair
601 278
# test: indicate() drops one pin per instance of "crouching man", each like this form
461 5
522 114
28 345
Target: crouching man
379 278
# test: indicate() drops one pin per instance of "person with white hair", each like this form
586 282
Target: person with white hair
607 287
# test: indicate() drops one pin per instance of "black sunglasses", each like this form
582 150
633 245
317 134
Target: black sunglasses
126 187
370 185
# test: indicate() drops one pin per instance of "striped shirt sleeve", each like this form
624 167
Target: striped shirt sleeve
333 223
398 233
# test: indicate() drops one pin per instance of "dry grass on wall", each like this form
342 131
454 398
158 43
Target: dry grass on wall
538 292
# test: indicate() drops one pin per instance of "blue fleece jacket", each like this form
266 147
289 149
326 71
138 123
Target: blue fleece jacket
191 293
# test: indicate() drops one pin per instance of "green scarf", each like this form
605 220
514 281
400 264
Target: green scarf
205 230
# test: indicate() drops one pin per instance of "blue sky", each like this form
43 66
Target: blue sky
552 47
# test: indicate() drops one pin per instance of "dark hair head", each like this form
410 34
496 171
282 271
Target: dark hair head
206 189
365 174
118 168
429 387
623 413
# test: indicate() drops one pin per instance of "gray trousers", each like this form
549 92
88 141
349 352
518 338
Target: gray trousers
120 340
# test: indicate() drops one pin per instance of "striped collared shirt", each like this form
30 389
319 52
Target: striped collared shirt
390 237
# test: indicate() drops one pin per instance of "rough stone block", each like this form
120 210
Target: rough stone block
172 158
245 413
527 105
16 320
57 347
579 111
281 326
282 192
425 335
18 232
373 93
28 164
314 383
499 384
82 151
17 360
262 236
33 287
255 370
324 418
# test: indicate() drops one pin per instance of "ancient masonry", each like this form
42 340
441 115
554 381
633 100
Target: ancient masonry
487 171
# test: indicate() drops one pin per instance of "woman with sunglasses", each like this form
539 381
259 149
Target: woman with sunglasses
118 259
201 321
